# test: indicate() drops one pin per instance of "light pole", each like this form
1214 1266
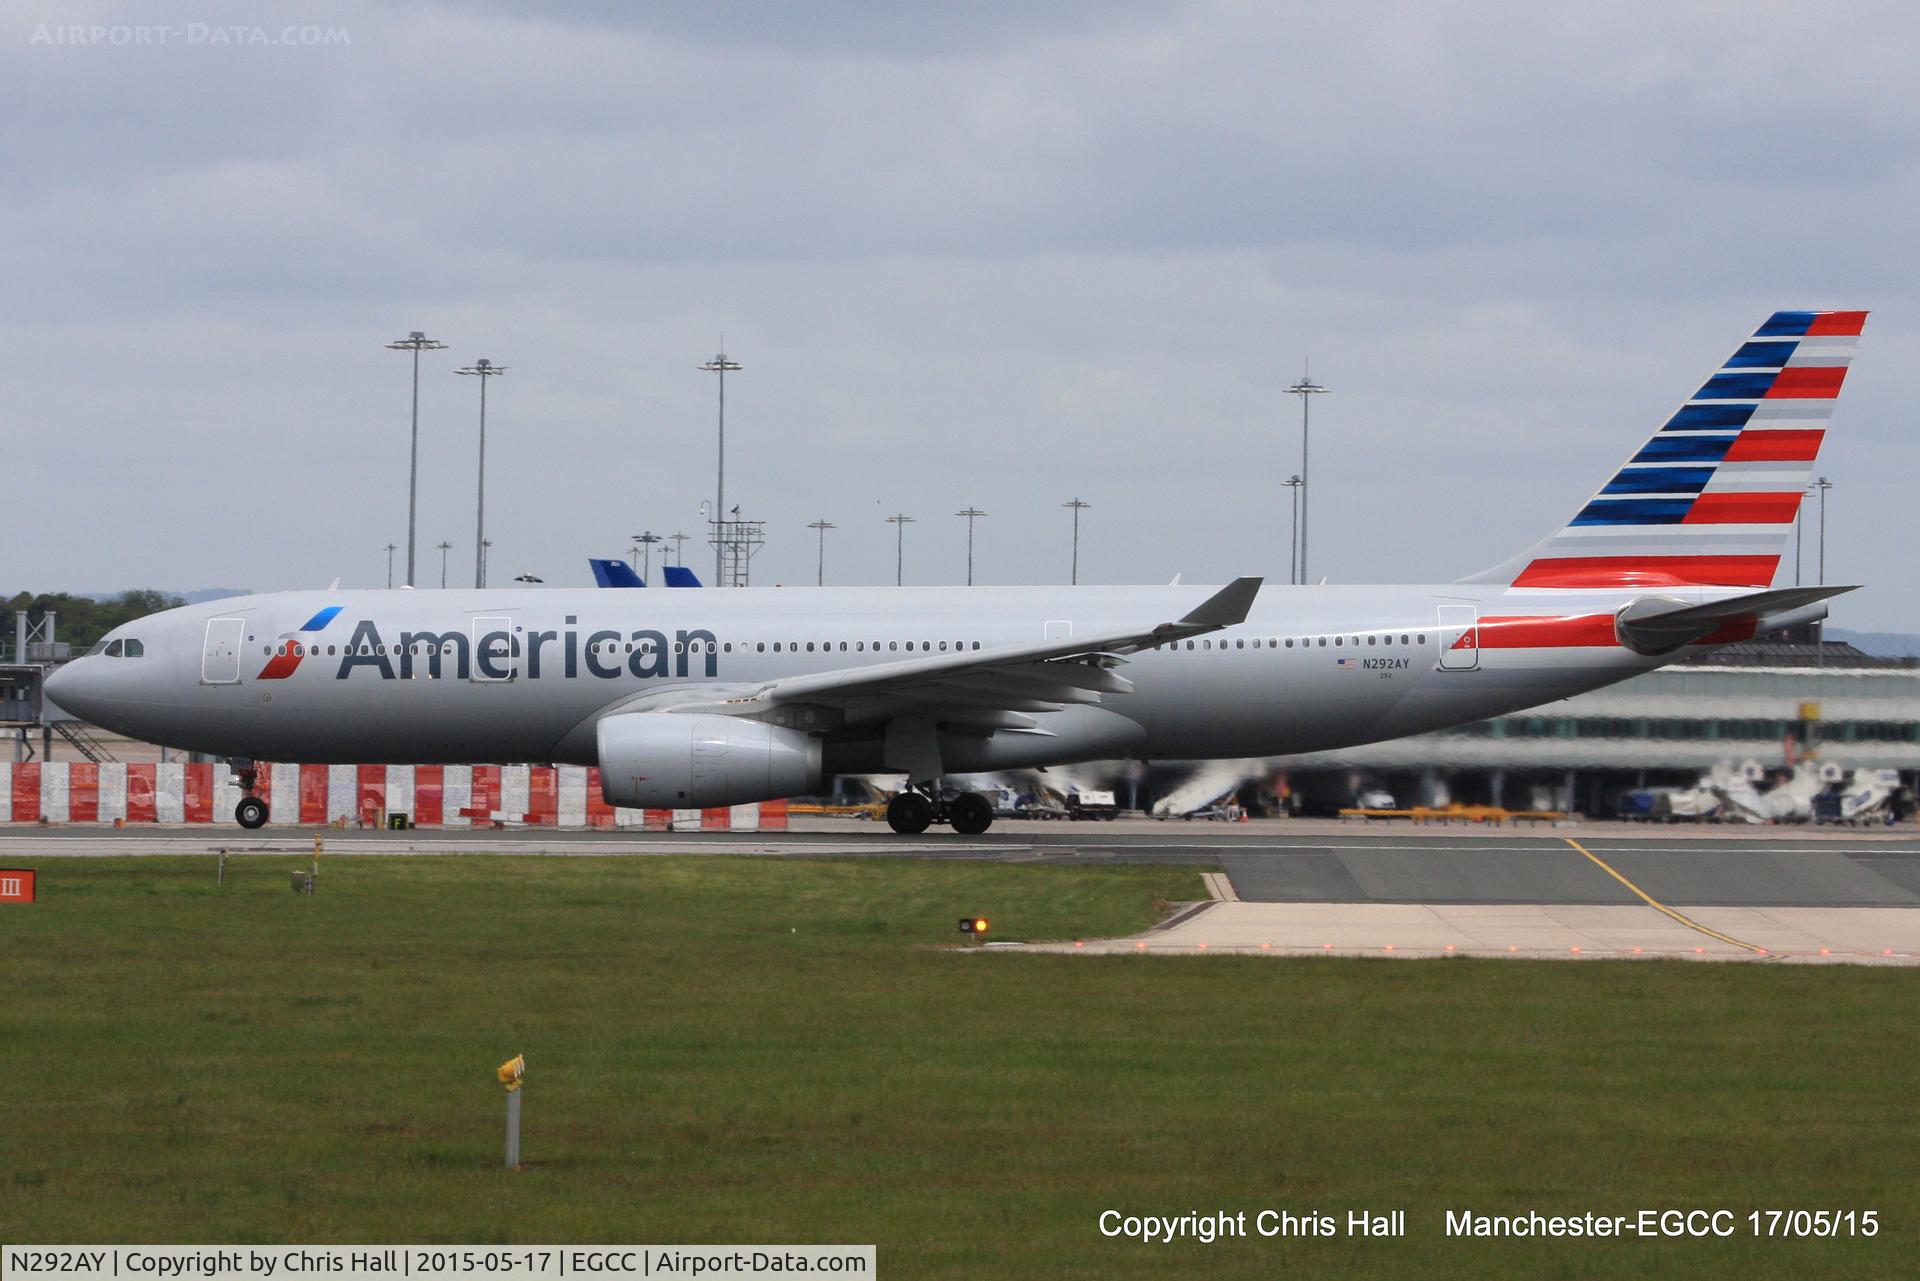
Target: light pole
391 548
1799 510
646 539
444 549
1306 389
486 547
1293 551
899 523
721 367
679 548
415 342
1823 485
1078 507
820 572
972 514
482 369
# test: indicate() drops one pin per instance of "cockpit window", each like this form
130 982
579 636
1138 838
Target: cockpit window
135 649
113 649
99 647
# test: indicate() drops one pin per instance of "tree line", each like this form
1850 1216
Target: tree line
81 620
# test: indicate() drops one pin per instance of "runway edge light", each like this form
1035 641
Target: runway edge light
973 925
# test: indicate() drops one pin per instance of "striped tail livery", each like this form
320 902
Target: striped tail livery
1710 499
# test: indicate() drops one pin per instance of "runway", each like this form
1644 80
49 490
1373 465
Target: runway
1304 887
1266 862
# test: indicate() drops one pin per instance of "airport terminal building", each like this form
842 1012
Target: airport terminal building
1773 703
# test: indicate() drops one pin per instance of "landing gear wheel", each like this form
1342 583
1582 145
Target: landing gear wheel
970 814
250 813
909 813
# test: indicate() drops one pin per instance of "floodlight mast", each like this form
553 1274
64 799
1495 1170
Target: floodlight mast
1306 389
416 342
820 572
1078 507
482 369
721 367
899 521
646 539
972 514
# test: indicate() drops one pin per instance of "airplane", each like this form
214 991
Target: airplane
712 698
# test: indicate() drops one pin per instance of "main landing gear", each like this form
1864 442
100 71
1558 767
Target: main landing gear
914 811
251 812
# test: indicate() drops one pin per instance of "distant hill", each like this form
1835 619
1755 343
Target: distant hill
1879 644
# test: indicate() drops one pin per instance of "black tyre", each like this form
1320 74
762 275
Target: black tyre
970 814
909 813
250 813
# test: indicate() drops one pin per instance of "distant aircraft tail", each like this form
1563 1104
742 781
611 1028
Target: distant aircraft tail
614 573
680 576
1710 499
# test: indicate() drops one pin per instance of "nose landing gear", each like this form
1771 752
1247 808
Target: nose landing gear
913 811
251 812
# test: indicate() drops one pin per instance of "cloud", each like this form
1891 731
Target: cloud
992 255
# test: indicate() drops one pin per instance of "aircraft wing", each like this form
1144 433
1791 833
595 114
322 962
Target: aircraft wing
988 687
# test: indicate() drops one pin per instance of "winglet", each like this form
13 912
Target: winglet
1226 607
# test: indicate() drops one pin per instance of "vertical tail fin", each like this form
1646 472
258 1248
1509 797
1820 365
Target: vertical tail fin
1711 497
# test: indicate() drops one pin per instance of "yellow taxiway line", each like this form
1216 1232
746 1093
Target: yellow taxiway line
1658 906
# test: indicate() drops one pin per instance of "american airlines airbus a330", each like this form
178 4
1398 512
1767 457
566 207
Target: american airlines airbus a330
692 699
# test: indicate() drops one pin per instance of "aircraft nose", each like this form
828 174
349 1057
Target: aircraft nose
67 686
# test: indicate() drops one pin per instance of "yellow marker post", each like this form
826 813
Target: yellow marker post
510 1074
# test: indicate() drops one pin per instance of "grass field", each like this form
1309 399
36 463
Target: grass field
768 1050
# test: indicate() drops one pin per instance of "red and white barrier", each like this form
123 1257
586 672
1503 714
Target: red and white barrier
347 796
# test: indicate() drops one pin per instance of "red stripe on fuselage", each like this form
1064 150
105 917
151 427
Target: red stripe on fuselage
1814 382
1796 445
1530 632
1743 509
1650 571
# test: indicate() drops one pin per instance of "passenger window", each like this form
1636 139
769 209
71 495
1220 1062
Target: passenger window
1337 640
1323 642
1403 638
1373 640
1289 642
1239 644
1423 637
1206 644
679 647
1189 644
843 647
809 647
895 645
943 647
976 644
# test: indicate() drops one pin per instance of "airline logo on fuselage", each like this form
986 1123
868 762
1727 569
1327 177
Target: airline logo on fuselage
501 654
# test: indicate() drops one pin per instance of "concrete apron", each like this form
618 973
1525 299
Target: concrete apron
1799 935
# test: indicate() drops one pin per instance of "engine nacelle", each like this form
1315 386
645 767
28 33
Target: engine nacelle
663 760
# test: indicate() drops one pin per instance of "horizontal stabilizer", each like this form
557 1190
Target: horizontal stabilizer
1657 625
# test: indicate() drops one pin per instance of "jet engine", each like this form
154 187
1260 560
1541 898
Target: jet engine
664 760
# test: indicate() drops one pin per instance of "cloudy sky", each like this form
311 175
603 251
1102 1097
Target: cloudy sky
999 254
